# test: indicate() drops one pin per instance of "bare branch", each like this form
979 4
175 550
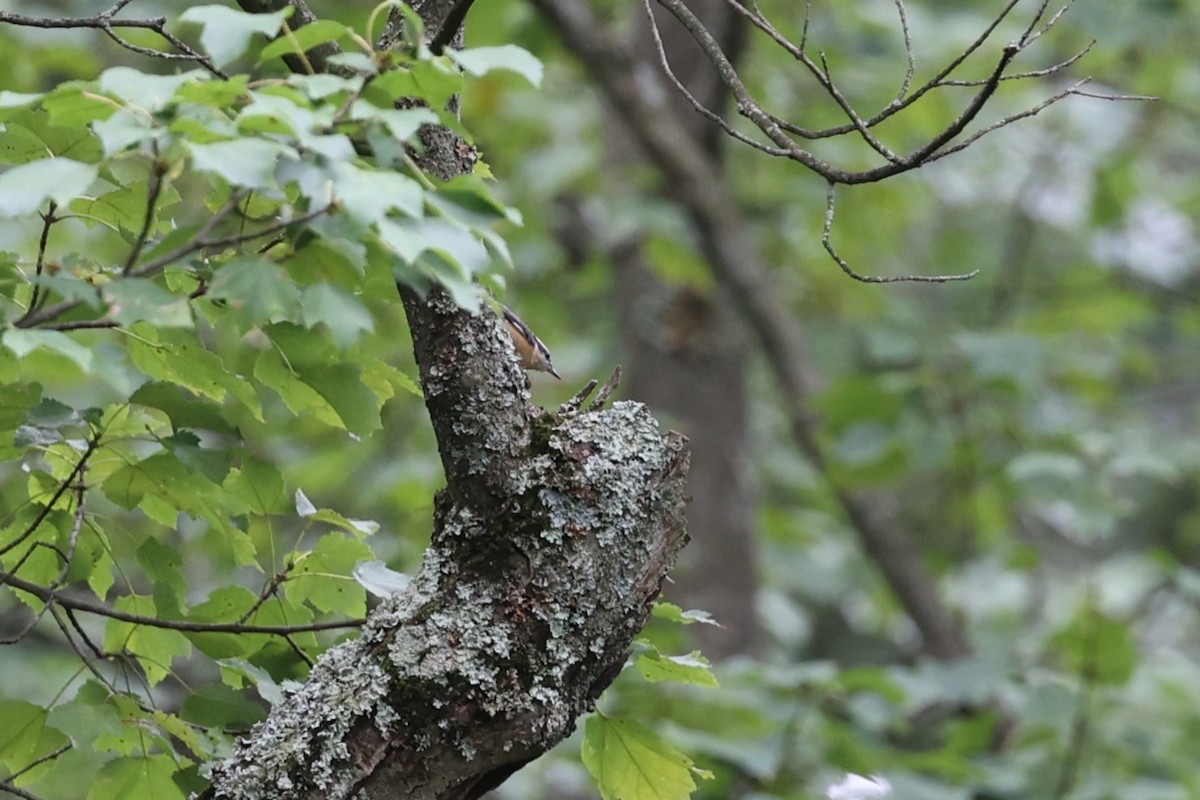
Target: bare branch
1011 118
1033 73
105 22
778 131
16 791
80 465
36 298
691 98
909 55
45 594
82 324
451 26
157 171
39 761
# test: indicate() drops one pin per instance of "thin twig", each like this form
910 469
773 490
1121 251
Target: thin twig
1033 73
693 100
607 389
36 298
909 55
6 786
92 444
267 592
576 401
106 23
157 172
1008 120
450 26
75 604
830 202
81 324
39 761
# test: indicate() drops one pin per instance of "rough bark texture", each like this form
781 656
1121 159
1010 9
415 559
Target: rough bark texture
551 541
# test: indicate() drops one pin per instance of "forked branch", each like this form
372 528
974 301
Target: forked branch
780 137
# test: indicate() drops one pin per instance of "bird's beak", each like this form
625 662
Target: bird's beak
554 372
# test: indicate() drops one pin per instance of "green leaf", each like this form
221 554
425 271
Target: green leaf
227 31
184 409
227 604
258 290
355 403
298 396
323 577
311 376
368 195
131 777
17 99
260 487
176 356
217 94
236 672
88 714
345 317
322 85
25 734
403 123
24 189
630 762
481 60
132 300
358 527
355 62
32 135
163 564
76 107
119 131
124 207
217 705
693 668
241 162
672 612
143 91
854 399
15 401
23 341
304 39
154 648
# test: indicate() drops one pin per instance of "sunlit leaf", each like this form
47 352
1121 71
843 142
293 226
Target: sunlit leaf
630 762
481 60
27 188
227 31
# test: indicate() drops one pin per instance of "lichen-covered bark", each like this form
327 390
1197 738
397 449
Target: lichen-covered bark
551 541
522 612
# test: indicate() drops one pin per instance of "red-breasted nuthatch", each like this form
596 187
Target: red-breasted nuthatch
534 354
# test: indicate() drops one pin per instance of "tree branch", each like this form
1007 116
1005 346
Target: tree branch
550 543
695 181
50 595
105 21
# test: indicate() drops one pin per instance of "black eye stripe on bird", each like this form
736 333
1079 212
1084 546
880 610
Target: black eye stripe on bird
533 352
